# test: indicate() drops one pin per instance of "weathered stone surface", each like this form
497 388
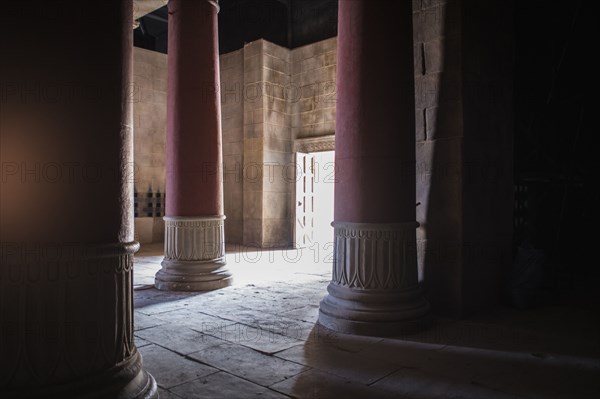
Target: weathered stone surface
224 386
249 364
318 384
172 369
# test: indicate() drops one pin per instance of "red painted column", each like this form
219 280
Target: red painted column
194 221
374 288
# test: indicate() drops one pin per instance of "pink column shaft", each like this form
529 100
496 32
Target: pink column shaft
375 133
194 184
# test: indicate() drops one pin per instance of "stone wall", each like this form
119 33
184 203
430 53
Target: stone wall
277 226
270 96
149 95
463 151
232 117
313 94
287 95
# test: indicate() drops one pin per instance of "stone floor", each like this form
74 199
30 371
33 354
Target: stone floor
258 339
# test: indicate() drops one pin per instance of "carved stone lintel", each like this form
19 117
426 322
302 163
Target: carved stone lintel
374 287
71 303
194 255
315 144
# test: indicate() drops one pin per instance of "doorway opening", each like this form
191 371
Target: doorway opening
314 200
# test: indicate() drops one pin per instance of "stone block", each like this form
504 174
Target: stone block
279 158
420 125
143 227
274 50
278 131
258 115
439 186
275 118
277 232
329 58
234 231
428 24
253 49
253 130
310 64
253 75
427 89
159 84
276 104
233 148
231 60
233 135
276 64
329 114
141 70
230 123
234 204
432 3
275 77
311 118
252 232
277 205
306 104
434 56
158 231
279 144
444 121
279 178
253 204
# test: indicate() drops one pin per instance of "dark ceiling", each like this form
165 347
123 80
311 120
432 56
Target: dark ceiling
289 23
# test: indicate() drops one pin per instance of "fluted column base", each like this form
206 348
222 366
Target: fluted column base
374 288
194 255
67 329
127 380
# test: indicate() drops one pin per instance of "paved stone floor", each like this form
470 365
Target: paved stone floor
258 339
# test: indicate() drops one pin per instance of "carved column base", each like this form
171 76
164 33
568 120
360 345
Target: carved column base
374 288
124 381
67 323
194 255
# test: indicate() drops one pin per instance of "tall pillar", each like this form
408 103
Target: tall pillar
66 217
374 288
194 222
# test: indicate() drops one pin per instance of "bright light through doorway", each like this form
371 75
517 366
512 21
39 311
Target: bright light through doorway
314 200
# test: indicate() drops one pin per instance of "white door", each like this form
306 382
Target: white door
305 164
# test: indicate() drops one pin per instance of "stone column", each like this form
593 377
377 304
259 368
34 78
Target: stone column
374 288
66 215
194 222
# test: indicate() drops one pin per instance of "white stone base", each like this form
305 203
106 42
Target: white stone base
374 288
194 255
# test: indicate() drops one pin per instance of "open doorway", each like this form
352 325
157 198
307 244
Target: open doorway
314 200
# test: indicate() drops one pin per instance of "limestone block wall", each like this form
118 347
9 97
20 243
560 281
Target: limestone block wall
232 123
463 151
149 96
267 145
313 94
277 226
287 95
253 121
